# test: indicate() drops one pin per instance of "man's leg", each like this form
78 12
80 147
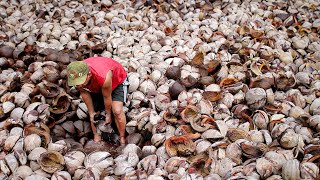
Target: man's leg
120 119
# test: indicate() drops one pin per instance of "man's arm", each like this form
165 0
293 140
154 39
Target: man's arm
106 92
88 101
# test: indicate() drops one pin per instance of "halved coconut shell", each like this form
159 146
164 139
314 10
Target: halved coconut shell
199 164
175 89
51 161
196 125
272 108
251 150
227 82
43 131
179 146
60 104
6 51
51 74
173 72
234 134
187 131
285 83
212 96
48 89
189 113
167 116
262 82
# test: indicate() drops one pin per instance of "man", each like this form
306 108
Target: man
100 83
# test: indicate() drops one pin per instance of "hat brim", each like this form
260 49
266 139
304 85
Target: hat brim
77 81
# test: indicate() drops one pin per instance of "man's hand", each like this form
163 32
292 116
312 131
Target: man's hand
108 119
92 115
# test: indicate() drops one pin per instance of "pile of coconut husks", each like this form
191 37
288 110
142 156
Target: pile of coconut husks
218 89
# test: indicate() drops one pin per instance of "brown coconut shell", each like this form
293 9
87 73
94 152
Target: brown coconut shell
48 89
173 72
51 161
60 104
6 51
179 146
175 89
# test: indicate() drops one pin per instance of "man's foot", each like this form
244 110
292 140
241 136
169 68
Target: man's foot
122 140
97 138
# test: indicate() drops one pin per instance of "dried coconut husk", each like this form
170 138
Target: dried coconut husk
167 116
190 112
43 131
173 72
253 150
197 60
175 89
313 149
60 104
6 51
234 134
51 161
49 90
189 82
227 82
207 80
200 163
272 108
212 96
179 146
187 131
262 82
99 48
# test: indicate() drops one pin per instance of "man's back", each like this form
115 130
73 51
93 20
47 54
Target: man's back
99 67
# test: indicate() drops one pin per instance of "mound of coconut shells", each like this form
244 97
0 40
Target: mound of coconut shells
218 89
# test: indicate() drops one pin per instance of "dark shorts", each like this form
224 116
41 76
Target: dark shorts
117 95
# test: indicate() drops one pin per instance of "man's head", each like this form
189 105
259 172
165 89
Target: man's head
77 73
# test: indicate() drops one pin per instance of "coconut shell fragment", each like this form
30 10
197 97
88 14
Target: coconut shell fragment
189 113
6 51
173 72
175 89
179 146
48 89
234 134
51 161
60 104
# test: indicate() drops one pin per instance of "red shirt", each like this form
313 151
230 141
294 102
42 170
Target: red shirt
99 67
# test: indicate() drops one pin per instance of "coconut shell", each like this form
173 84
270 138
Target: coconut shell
179 145
51 161
6 51
48 89
234 134
60 104
173 72
212 96
175 89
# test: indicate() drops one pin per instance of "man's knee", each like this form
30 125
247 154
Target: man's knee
117 111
